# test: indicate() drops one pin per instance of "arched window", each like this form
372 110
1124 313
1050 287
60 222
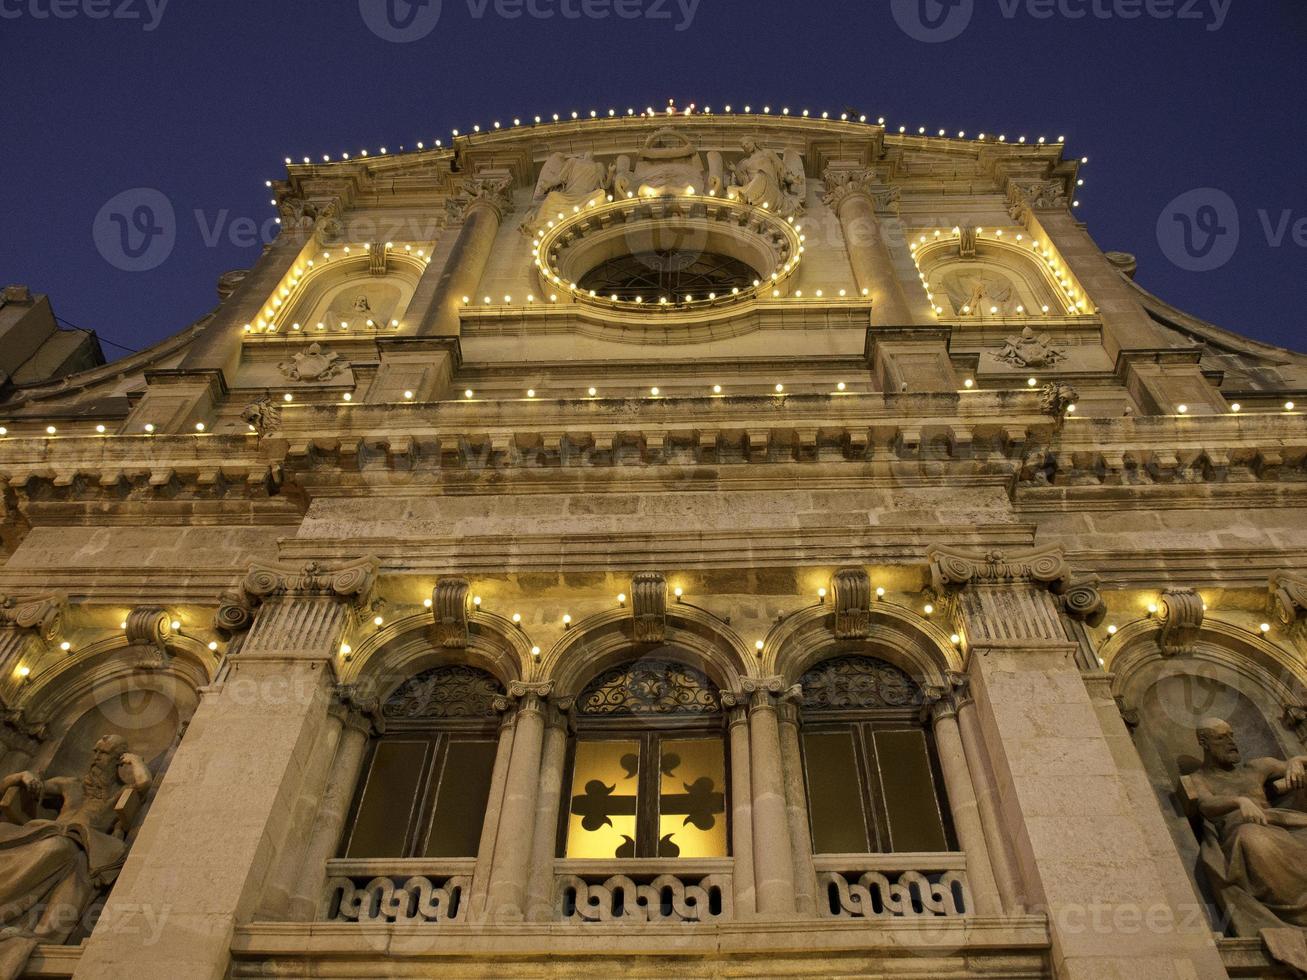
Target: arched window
648 769
425 786
872 777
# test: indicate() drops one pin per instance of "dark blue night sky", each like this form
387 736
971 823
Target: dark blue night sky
203 99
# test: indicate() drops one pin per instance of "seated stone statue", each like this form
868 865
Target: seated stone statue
51 870
1254 851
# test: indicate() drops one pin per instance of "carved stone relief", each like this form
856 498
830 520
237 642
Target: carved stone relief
314 363
1029 351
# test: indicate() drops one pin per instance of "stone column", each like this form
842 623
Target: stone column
540 885
481 214
796 803
513 848
741 806
851 194
324 843
958 781
225 810
1001 860
1079 842
494 807
773 857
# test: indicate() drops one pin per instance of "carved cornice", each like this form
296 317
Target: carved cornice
851 592
649 606
40 615
449 612
1181 612
954 570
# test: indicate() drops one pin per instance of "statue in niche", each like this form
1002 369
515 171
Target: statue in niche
981 294
315 363
1254 840
51 870
765 180
566 182
1029 351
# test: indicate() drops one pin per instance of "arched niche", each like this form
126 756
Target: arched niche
346 290
407 647
693 638
1242 680
896 636
1000 280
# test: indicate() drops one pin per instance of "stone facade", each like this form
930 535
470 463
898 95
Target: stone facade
704 434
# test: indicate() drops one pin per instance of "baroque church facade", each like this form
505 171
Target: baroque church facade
685 543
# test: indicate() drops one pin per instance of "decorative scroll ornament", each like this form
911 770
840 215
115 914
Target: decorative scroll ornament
1181 612
386 900
449 610
235 613
445 692
149 626
910 894
954 570
649 606
42 615
1029 351
1056 397
1085 603
314 363
665 898
1288 598
263 416
352 582
849 683
851 588
650 687
1024 196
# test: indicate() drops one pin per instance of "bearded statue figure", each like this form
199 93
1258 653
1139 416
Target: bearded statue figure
1254 842
51 870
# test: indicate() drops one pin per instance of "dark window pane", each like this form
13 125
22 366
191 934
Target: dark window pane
462 788
389 798
839 825
909 792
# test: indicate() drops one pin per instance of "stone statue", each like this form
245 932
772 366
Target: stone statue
566 182
1028 350
1254 851
316 363
51 870
765 180
361 305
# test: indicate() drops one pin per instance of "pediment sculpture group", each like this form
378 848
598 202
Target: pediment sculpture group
668 163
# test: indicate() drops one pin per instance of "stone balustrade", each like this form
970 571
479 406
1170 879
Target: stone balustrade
397 891
878 886
644 891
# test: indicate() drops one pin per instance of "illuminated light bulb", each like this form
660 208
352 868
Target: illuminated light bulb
1152 609
678 592
880 593
122 625
24 671
176 625
841 386
50 430
468 393
653 391
1236 407
199 426
347 396
377 620
567 619
928 609
213 646
288 397
621 598
1288 406
1265 627
716 389
955 639
98 428
1112 630
780 388
476 601
968 383
1071 409
346 649
65 646
1182 409
821 593
1031 382
408 395
758 645
517 617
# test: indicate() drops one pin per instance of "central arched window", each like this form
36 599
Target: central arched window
674 273
873 781
648 768
427 779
